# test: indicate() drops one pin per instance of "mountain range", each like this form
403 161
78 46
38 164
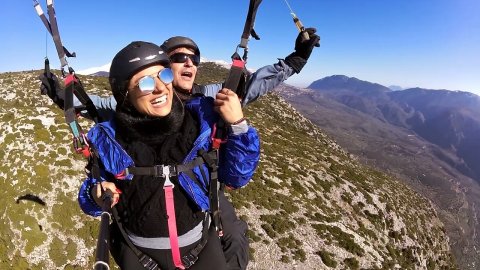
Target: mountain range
427 138
449 119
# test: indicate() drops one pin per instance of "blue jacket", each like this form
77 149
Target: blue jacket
238 157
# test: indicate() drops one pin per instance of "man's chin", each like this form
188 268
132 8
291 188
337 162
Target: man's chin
184 87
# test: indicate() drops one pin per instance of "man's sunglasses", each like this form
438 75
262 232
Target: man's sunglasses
147 83
182 58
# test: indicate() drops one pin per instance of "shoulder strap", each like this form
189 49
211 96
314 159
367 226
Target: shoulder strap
211 159
144 259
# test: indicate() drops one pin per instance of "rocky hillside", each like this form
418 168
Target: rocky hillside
370 127
310 205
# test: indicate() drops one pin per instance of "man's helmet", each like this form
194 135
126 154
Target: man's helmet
177 42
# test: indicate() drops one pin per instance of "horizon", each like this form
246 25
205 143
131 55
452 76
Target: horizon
93 70
428 44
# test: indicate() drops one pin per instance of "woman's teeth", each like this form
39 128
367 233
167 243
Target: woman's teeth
160 100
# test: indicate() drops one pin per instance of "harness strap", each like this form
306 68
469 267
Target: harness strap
83 97
172 221
237 70
157 170
80 143
144 259
211 159
249 23
52 28
192 256
235 73
56 34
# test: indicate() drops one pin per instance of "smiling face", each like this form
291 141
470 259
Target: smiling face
156 103
183 73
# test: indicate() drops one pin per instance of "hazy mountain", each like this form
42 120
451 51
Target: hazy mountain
395 87
428 138
101 74
341 82
310 205
449 119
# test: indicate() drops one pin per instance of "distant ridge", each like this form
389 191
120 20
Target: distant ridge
342 82
101 74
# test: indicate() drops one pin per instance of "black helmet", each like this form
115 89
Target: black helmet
131 59
176 42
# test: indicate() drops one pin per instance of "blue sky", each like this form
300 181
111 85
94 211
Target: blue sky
426 43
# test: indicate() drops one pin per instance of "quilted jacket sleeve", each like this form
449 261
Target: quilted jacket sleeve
239 158
87 204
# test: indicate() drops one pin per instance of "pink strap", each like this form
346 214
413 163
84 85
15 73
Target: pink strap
172 226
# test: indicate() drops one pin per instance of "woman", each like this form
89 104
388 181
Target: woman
154 147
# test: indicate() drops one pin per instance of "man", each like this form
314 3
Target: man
185 57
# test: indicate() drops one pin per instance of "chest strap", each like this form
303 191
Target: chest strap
172 221
158 170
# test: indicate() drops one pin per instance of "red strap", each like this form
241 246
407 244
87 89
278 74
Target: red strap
172 226
70 78
216 142
238 63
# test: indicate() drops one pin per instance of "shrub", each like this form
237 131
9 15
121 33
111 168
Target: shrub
327 258
278 223
352 263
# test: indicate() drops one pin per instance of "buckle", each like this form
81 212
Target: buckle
158 170
80 144
148 263
166 172
189 260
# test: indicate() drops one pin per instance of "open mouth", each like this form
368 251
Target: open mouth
187 74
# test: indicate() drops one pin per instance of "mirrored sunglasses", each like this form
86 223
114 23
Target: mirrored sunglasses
182 58
147 83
